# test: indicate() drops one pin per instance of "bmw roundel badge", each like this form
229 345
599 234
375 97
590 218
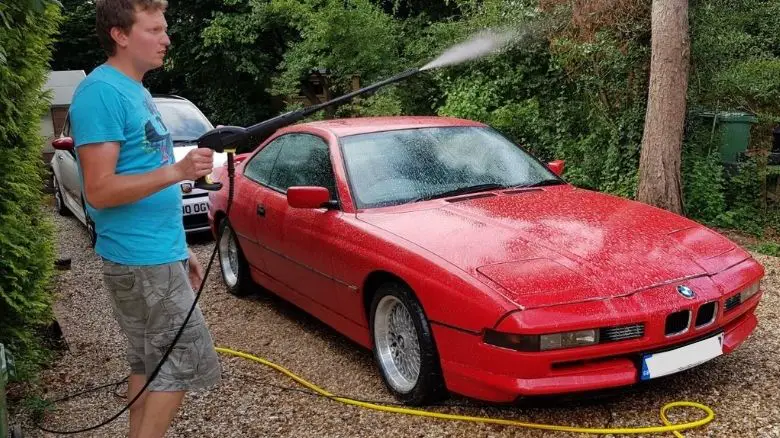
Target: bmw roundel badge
685 291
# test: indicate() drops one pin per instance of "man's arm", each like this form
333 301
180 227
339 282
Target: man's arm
103 188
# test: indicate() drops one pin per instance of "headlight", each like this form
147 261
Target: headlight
553 341
749 291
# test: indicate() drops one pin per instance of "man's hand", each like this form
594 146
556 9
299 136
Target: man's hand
197 163
196 271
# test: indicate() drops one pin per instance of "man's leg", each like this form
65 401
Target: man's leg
159 409
192 365
134 384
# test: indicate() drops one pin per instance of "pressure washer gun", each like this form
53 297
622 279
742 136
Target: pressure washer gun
231 138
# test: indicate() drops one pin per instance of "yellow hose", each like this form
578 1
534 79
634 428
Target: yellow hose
668 426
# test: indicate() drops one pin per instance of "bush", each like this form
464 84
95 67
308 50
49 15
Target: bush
26 249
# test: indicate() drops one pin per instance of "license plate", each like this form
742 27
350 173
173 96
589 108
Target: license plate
200 207
680 359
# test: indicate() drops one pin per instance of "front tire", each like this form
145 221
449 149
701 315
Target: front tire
233 264
403 345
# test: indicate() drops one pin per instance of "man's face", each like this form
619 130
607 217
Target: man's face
148 39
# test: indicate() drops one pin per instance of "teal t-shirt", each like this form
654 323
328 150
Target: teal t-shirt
110 106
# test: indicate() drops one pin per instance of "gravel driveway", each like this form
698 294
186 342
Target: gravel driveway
254 401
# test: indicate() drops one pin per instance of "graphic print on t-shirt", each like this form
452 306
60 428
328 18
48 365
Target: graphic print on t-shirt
157 137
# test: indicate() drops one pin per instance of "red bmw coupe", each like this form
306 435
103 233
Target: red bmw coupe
469 266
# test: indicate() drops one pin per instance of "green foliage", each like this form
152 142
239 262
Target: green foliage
37 407
735 66
345 38
768 248
735 54
703 180
26 237
222 57
76 46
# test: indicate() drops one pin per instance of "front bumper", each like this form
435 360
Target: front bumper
480 370
551 376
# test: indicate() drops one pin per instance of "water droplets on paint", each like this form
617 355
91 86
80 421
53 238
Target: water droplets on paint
481 44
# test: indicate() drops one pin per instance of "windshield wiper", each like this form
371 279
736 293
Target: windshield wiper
544 182
461 191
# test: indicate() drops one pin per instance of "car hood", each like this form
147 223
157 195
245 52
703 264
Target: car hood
560 244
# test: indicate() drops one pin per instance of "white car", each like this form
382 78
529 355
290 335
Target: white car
184 121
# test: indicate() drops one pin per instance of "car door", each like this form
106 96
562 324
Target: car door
249 195
298 250
69 172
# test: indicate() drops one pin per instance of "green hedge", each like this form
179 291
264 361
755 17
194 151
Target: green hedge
26 236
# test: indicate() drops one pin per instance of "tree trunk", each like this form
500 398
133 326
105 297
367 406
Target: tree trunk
659 164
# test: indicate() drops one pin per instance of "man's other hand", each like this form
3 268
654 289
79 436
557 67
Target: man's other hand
196 271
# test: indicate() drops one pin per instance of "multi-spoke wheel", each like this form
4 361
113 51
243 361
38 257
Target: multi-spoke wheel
235 269
403 345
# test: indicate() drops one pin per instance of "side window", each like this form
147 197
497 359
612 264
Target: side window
259 168
304 161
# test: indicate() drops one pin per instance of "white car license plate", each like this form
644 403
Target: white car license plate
673 361
197 208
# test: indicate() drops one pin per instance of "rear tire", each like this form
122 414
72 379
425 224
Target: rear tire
90 224
403 346
233 264
15 432
59 200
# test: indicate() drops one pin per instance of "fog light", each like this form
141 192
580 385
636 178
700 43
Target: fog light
579 338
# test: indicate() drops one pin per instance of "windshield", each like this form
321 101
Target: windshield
183 120
396 167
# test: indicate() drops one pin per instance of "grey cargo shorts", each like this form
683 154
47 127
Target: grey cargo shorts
150 303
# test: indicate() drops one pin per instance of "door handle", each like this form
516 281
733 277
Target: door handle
260 210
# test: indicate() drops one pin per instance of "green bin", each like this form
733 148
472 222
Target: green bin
734 132
6 370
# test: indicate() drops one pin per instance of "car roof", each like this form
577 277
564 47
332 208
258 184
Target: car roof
168 97
364 125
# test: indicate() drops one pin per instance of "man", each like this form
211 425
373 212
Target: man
130 180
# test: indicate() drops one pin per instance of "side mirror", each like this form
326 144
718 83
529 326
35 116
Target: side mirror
63 143
557 166
308 197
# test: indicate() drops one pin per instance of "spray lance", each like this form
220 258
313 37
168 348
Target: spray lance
231 138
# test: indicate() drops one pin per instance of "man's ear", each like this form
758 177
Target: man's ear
119 36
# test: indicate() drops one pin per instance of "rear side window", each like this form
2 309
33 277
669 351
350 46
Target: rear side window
259 168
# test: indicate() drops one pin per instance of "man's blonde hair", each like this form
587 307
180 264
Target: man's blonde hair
121 14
